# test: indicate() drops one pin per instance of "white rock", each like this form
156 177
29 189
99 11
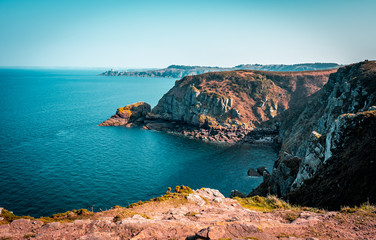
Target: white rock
196 198
138 217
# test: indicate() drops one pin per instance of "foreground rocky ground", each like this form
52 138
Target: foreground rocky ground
200 214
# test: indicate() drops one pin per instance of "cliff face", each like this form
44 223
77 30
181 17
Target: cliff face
179 71
237 99
347 173
327 133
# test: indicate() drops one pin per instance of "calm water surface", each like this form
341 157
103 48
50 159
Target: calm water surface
54 157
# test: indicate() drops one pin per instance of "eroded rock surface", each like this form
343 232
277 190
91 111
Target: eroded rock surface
212 217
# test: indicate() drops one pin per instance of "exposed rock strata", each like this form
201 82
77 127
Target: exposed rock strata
332 131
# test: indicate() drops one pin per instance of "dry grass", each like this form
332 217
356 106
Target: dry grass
271 202
264 204
68 216
365 208
180 194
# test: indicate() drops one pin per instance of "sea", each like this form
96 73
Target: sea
54 157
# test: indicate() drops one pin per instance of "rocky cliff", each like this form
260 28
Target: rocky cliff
226 106
237 99
328 145
179 71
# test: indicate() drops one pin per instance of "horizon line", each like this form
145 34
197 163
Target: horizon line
148 67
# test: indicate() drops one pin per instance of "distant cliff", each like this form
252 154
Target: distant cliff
179 71
328 151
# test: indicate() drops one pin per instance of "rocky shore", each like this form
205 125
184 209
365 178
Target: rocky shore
200 214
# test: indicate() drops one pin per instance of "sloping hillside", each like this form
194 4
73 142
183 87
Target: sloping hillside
237 99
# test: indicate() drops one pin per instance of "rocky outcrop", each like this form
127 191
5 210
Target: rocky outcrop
318 132
130 115
284 173
200 214
179 71
253 173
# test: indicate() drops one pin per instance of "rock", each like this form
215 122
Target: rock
196 198
261 170
160 125
138 217
100 236
286 168
128 115
209 193
227 231
252 172
236 193
24 224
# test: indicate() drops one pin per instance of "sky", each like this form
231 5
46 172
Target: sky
153 34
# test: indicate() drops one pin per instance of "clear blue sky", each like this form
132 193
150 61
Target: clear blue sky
142 33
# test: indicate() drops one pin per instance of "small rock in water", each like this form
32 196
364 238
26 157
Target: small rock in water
252 172
261 170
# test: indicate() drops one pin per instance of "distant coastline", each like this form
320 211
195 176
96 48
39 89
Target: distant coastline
179 71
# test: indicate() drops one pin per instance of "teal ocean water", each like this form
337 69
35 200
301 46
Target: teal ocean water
54 157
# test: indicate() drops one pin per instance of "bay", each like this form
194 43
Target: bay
54 157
